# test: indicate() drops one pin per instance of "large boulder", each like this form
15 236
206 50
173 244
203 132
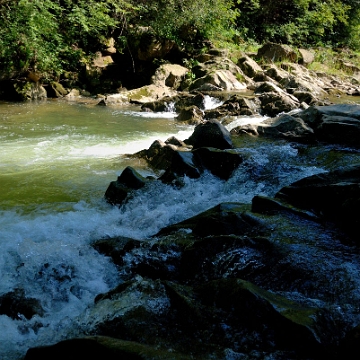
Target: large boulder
249 66
192 115
335 123
220 163
218 80
277 52
210 134
283 127
333 196
170 75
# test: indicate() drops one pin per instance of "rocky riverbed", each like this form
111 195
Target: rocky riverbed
275 277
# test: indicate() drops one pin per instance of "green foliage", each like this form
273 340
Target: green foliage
300 22
50 35
186 21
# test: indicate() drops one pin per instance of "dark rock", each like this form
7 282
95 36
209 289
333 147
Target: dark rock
223 219
221 163
128 181
210 134
160 154
182 164
273 104
339 124
192 115
15 304
116 248
101 347
333 196
283 127
248 306
350 345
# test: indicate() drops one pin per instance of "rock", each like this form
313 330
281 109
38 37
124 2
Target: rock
170 75
273 104
101 347
142 95
277 52
333 196
116 248
349 346
289 325
339 124
192 115
283 127
235 106
306 57
182 164
56 90
128 181
160 154
223 219
73 93
276 73
210 134
19 90
16 305
109 47
249 66
221 79
100 61
220 163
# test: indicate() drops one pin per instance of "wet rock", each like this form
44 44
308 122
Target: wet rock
247 306
128 181
16 305
160 154
182 164
192 115
235 106
333 196
116 248
101 347
223 219
283 127
210 134
221 163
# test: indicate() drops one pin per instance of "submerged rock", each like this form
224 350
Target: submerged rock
16 305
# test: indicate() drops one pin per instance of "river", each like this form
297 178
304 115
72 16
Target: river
57 159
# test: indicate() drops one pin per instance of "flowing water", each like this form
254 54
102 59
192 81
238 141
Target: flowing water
56 161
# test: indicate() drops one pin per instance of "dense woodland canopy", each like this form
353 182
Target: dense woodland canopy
53 35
